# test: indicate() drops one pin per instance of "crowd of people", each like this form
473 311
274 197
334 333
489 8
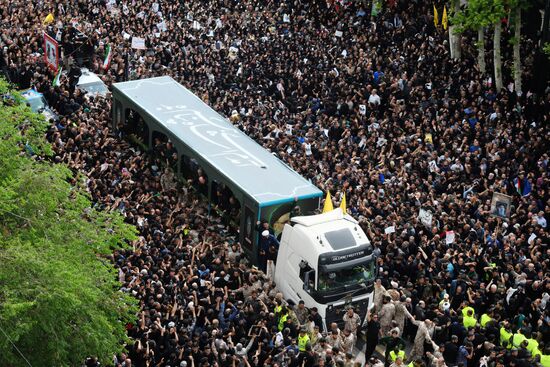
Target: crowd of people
369 106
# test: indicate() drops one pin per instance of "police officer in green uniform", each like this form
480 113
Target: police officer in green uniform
283 316
518 338
416 363
532 344
505 335
397 353
303 339
486 317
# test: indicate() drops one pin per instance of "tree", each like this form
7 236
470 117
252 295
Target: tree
478 15
473 18
59 297
517 6
454 36
497 35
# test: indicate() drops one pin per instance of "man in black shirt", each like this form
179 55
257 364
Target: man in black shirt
373 331
316 318
451 351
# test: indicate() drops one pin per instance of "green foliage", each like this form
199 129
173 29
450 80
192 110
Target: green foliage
59 298
546 49
479 13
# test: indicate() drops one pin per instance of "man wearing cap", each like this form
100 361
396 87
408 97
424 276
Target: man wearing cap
392 342
303 339
283 316
397 353
268 248
291 313
301 312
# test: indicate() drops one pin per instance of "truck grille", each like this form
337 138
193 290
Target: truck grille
336 313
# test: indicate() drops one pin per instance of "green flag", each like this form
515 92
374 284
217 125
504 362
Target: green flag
376 7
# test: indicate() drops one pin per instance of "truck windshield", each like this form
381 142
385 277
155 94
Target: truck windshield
357 274
94 88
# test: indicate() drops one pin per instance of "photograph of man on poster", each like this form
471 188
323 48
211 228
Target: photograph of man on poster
51 52
500 205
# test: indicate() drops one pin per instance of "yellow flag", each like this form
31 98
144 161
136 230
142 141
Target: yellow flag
343 203
436 17
444 19
49 18
328 203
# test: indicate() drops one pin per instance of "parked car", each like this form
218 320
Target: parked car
38 104
92 84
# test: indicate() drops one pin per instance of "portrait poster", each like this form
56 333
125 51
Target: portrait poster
449 237
425 216
500 205
51 52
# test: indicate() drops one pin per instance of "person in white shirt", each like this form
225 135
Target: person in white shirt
374 98
540 219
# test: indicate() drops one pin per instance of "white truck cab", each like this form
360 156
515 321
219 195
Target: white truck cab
327 261
92 84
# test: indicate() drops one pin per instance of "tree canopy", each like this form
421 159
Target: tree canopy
479 13
59 295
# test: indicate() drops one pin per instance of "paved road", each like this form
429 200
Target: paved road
359 350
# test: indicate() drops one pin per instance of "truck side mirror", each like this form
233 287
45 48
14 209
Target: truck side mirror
306 281
308 278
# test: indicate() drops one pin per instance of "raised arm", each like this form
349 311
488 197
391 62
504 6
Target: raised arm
411 317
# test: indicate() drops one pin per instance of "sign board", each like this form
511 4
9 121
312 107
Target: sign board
51 52
500 205
449 237
343 256
389 230
425 217
138 43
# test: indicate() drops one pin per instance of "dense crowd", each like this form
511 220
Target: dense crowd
373 107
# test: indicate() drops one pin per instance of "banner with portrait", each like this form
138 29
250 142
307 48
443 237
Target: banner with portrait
500 205
51 52
425 216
